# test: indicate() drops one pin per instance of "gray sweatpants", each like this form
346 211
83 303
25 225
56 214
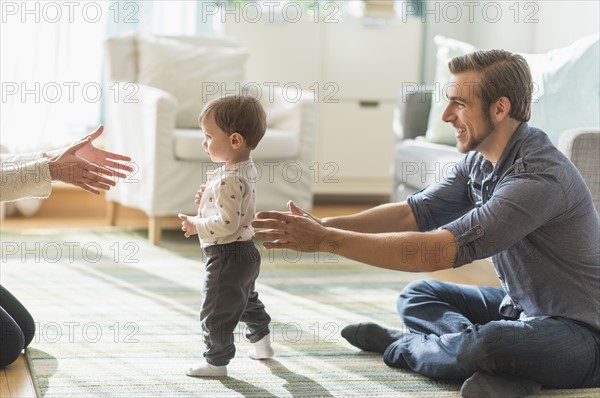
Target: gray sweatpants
228 296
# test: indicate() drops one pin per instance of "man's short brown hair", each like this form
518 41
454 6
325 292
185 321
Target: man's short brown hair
241 114
503 74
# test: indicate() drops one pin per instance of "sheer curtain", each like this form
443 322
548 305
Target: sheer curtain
51 62
50 69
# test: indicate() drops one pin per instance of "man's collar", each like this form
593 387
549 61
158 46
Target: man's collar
512 147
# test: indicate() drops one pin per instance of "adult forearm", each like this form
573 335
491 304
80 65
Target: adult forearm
25 176
391 217
408 251
401 251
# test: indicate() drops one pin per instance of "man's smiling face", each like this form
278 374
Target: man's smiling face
466 113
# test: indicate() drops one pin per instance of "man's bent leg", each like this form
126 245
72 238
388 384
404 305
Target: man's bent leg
434 307
555 352
431 307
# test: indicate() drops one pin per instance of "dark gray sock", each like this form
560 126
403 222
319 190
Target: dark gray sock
486 385
369 336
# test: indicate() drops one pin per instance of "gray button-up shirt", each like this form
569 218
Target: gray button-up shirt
534 215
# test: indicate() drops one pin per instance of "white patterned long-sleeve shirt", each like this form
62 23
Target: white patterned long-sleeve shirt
228 204
24 176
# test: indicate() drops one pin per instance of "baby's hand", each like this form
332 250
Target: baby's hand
199 194
188 225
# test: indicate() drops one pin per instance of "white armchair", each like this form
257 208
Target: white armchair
156 126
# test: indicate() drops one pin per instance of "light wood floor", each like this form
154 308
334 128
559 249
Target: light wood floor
15 380
73 208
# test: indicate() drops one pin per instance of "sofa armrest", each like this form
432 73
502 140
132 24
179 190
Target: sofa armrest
582 147
412 113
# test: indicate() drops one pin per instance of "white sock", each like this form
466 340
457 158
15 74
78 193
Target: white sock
261 349
205 369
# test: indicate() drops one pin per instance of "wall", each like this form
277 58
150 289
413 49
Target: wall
563 22
355 68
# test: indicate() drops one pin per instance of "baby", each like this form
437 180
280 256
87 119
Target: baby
233 127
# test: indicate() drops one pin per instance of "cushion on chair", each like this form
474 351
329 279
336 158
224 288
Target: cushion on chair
566 87
192 73
275 145
439 131
569 92
419 163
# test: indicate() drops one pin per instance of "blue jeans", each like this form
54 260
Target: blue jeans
457 330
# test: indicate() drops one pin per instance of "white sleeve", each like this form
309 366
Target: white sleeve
24 176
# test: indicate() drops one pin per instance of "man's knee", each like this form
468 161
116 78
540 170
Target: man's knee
415 293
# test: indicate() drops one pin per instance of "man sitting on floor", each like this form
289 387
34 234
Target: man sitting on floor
513 197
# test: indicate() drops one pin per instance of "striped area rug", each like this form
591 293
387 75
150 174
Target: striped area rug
117 317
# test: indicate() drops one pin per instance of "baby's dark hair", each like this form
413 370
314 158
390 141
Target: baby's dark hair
238 113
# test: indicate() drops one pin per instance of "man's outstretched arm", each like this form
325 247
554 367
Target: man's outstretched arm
391 217
401 251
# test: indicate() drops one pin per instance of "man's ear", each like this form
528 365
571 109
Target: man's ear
501 109
236 140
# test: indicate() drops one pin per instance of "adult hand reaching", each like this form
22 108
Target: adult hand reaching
301 212
296 230
71 169
84 165
101 157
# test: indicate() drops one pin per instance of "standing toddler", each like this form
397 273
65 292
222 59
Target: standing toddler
233 126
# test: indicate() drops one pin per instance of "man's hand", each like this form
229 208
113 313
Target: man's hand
296 230
295 210
101 157
188 225
69 168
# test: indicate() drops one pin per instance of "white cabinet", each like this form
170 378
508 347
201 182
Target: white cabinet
358 70
280 52
355 148
372 61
